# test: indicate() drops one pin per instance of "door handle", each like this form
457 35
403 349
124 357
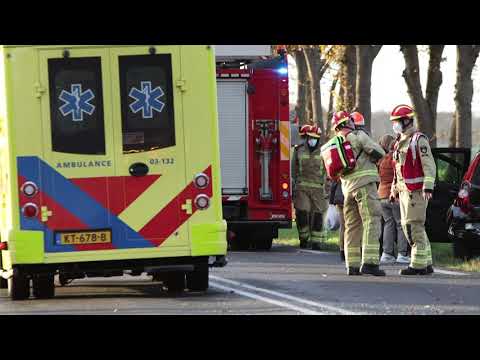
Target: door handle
139 169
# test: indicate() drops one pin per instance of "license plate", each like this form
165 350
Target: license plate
87 237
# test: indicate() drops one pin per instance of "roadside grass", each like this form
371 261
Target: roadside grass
442 252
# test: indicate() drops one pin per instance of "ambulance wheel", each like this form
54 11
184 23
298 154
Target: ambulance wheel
198 280
43 286
175 282
18 286
3 283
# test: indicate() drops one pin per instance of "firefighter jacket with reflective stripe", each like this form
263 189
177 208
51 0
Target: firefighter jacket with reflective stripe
365 171
308 169
415 167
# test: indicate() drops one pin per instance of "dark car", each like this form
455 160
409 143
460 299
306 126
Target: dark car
463 217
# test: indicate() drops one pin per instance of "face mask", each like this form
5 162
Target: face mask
312 142
397 127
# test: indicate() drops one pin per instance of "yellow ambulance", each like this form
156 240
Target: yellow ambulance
109 166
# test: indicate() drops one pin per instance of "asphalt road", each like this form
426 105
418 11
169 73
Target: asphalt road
285 280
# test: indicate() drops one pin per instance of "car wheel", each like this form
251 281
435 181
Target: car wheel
264 243
43 286
461 250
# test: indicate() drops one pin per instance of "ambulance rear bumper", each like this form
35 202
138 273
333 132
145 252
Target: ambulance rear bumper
111 268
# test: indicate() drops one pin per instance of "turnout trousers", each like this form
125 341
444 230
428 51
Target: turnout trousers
362 212
310 205
413 210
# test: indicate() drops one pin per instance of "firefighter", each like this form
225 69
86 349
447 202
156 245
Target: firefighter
362 209
415 172
359 121
308 177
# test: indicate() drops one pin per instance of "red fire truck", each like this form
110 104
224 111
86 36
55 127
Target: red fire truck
253 114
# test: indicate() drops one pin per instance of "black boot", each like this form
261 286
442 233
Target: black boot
303 244
411 271
370 269
342 255
353 271
430 269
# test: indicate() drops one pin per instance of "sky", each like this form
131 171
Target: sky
388 85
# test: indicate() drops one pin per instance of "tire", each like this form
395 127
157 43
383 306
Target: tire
18 286
175 282
241 242
43 286
461 250
198 279
3 282
264 243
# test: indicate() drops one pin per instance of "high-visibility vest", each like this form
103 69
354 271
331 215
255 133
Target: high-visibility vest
412 170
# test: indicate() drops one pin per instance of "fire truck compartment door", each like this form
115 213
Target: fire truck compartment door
233 125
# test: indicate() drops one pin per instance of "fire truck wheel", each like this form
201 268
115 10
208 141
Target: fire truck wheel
43 286
241 241
265 243
198 280
18 286
175 282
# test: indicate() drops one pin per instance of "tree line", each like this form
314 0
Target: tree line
350 89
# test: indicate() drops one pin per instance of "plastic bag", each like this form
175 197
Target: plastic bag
333 221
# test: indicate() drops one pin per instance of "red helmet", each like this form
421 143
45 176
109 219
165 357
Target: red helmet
358 118
310 130
402 112
340 117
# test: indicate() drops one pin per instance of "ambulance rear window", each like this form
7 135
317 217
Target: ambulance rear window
76 105
146 89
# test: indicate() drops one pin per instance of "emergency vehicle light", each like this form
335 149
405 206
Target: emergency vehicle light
30 210
202 202
282 71
29 188
201 181
285 186
3 246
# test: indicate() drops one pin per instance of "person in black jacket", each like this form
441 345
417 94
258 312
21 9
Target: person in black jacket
336 198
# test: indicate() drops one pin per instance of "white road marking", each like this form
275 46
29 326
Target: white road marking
448 272
265 299
314 252
286 296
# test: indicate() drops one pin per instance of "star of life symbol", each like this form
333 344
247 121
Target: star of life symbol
77 102
146 99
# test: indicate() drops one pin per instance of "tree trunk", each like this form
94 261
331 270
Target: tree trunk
414 86
328 121
303 87
466 57
452 140
315 64
340 98
350 63
365 56
434 81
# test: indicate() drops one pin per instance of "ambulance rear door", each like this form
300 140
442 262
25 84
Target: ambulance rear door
78 160
149 145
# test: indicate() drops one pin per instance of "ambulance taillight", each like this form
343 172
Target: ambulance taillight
201 181
202 202
30 189
30 210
